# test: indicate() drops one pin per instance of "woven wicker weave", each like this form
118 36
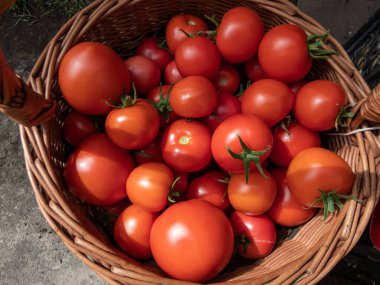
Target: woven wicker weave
305 257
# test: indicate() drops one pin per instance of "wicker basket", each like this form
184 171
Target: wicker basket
305 257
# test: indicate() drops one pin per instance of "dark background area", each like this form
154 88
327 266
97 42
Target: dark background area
30 253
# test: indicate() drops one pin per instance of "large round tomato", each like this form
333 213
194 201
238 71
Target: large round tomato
198 56
90 75
228 105
254 133
255 237
132 231
77 127
239 34
254 197
192 241
145 74
318 169
287 210
148 186
228 79
287 143
150 49
171 73
193 97
210 187
97 171
185 146
134 126
178 25
269 99
284 53
318 104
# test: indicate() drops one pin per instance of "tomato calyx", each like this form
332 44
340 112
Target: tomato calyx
126 100
330 200
243 88
242 241
174 194
163 105
213 20
284 124
248 156
315 43
210 34
345 113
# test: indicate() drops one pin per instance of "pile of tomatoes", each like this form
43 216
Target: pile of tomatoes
213 139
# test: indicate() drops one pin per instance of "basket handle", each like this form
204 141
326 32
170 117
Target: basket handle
18 100
368 109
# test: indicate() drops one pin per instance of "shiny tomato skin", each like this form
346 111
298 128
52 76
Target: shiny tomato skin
228 105
239 34
318 104
76 127
209 187
133 127
288 143
97 171
185 146
90 75
253 131
148 186
192 240
167 116
228 79
286 210
145 74
150 152
252 198
283 53
193 97
150 49
269 99
198 56
184 22
132 231
172 74
315 169
254 70
260 232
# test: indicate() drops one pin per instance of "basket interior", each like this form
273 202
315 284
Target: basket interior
122 26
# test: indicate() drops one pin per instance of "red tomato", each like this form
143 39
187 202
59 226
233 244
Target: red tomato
97 171
149 153
297 85
193 97
132 231
97 73
228 105
133 127
228 79
284 53
254 70
186 146
144 72
318 169
150 49
239 34
160 95
288 143
171 73
255 236
252 198
268 99
77 127
182 183
318 104
287 210
209 187
192 241
148 186
174 30
253 132
198 56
